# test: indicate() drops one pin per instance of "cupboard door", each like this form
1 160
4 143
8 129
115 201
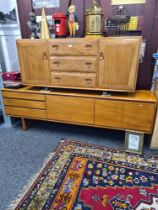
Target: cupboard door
139 116
108 113
118 66
70 109
33 59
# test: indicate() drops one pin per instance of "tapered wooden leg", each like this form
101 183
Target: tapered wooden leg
24 126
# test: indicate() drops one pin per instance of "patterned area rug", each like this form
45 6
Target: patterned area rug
83 176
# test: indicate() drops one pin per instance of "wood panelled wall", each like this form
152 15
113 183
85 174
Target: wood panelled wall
150 27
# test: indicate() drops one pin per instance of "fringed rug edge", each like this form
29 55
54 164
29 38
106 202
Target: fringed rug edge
26 187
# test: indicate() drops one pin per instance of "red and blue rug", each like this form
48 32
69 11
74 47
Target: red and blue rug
83 176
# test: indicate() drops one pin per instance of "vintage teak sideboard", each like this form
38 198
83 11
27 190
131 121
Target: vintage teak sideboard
64 81
127 111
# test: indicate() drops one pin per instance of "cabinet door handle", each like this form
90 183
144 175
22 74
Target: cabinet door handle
45 57
101 56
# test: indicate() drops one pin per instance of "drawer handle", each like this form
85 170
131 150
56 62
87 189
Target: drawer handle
55 47
88 64
88 46
88 80
140 105
45 57
56 63
57 78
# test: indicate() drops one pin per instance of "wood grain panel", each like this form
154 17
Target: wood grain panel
108 113
73 79
25 112
71 109
19 95
33 60
24 103
118 64
138 116
73 47
74 64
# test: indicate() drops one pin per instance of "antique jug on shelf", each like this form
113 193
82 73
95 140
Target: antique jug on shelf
94 20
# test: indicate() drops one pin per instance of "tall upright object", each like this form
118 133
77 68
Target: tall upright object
45 34
72 20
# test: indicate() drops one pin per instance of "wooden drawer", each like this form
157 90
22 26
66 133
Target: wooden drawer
108 113
139 116
25 112
70 109
74 64
73 47
73 79
20 95
24 103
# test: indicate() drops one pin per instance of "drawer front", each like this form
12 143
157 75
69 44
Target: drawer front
24 103
108 113
25 112
73 64
139 116
20 95
73 79
70 109
73 47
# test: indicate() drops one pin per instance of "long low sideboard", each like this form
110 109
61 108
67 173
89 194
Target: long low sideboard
124 111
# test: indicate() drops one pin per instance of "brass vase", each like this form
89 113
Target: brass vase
94 20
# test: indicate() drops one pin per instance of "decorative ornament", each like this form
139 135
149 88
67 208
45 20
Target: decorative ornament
72 20
118 23
45 34
60 25
32 25
94 20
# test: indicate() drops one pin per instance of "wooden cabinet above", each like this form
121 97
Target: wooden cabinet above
81 63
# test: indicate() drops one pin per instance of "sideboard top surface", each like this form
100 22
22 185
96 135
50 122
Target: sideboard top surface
139 95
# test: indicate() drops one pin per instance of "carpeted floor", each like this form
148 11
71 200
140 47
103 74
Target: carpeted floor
23 153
